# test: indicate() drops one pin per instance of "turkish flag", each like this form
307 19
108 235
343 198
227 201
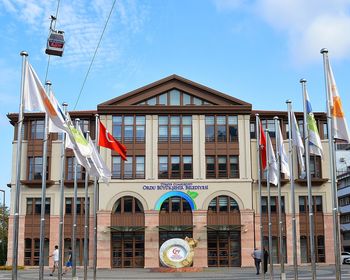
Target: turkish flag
108 141
262 145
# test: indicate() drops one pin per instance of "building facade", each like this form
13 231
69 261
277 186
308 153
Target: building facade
191 170
343 170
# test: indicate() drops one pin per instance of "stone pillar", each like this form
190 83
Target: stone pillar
329 238
257 231
10 240
103 239
200 234
91 240
289 237
53 237
20 240
151 238
247 237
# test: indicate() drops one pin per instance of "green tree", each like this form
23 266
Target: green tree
4 218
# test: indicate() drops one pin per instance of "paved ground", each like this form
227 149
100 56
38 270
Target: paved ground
323 273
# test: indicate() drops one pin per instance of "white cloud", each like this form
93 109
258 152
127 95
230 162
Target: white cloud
307 25
83 22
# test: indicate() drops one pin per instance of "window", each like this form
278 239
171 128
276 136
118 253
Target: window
315 166
223 204
252 131
80 205
325 131
344 201
187 166
270 125
174 97
301 128
37 129
132 168
178 127
316 200
210 162
34 206
163 167
222 167
36 168
84 126
274 204
70 170
221 128
175 167
175 204
128 129
128 204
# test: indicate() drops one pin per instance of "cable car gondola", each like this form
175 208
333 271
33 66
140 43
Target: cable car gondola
55 42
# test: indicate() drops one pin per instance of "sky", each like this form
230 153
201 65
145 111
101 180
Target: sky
254 50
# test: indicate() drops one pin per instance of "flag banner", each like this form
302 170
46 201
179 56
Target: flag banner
298 143
80 141
99 168
341 130
262 145
272 163
57 125
33 91
283 154
108 141
315 144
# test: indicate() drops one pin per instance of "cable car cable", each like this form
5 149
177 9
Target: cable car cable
93 58
54 27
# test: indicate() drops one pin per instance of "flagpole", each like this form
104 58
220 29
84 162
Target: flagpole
332 166
309 186
257 124
62 177
280 222
86 214
269 201
18 170
95 203
74 231
43 191
292 189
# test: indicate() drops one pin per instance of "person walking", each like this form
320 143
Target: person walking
266 260
69 260
55 260
257 254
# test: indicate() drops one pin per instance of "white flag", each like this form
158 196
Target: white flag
33 89
341 130
298 143
283 154
272 163
98 167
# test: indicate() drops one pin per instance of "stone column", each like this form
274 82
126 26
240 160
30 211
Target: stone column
151 238
258 238
103 239
200 234
289 237
329 238
53 237
10 240
247 237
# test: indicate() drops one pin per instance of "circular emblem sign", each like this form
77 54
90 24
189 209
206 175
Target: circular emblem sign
173 252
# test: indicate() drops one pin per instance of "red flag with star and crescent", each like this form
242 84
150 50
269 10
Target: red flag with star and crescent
108 141
262 145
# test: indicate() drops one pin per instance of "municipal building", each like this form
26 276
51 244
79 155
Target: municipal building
191 170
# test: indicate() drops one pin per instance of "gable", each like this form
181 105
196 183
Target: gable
170 93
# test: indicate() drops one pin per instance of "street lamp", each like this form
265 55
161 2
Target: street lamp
3 224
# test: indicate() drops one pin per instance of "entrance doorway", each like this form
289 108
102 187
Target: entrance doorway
127 233
224 232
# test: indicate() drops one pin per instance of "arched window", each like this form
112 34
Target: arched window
223 203
128 204
175 204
